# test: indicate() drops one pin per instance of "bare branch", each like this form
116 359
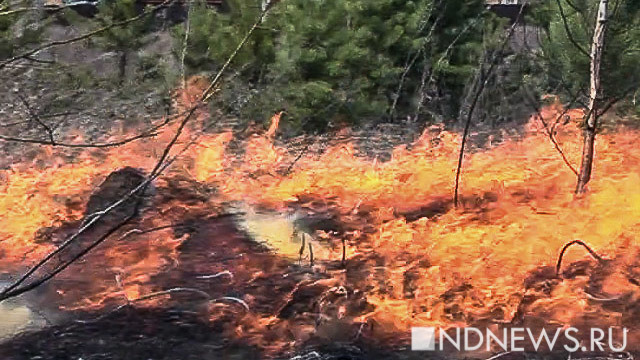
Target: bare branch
444 55
293 163
162 164
153 131
568 31
618 98
411 61
35 117
573 6
85 36
551 130
591 120
483 79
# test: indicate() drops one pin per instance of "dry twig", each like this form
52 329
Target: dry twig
162 164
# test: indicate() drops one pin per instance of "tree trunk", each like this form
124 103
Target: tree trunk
591 121
122 67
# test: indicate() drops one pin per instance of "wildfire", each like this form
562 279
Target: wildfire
430 264
518 212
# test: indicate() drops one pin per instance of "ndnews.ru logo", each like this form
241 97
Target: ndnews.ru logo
518 339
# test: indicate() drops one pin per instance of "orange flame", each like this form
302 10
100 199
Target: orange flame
437 266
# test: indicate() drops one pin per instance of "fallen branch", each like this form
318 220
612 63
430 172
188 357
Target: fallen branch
147 231
290 167
499 355
234 299
15 123
599 299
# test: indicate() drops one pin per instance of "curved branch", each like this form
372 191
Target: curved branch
568 31
550 131
145 134
570 244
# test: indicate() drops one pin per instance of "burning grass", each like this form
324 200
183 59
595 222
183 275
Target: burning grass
411 258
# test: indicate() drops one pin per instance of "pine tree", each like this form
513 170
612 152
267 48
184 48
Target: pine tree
122 39
567 44
340 61
572 52
16 32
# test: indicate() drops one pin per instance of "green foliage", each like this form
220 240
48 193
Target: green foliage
348 63
568 68
121 38
337 61
214 36
15 33
6 45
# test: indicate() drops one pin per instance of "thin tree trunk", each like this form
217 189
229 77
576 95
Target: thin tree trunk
185 46
591 121
122 66
477 89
